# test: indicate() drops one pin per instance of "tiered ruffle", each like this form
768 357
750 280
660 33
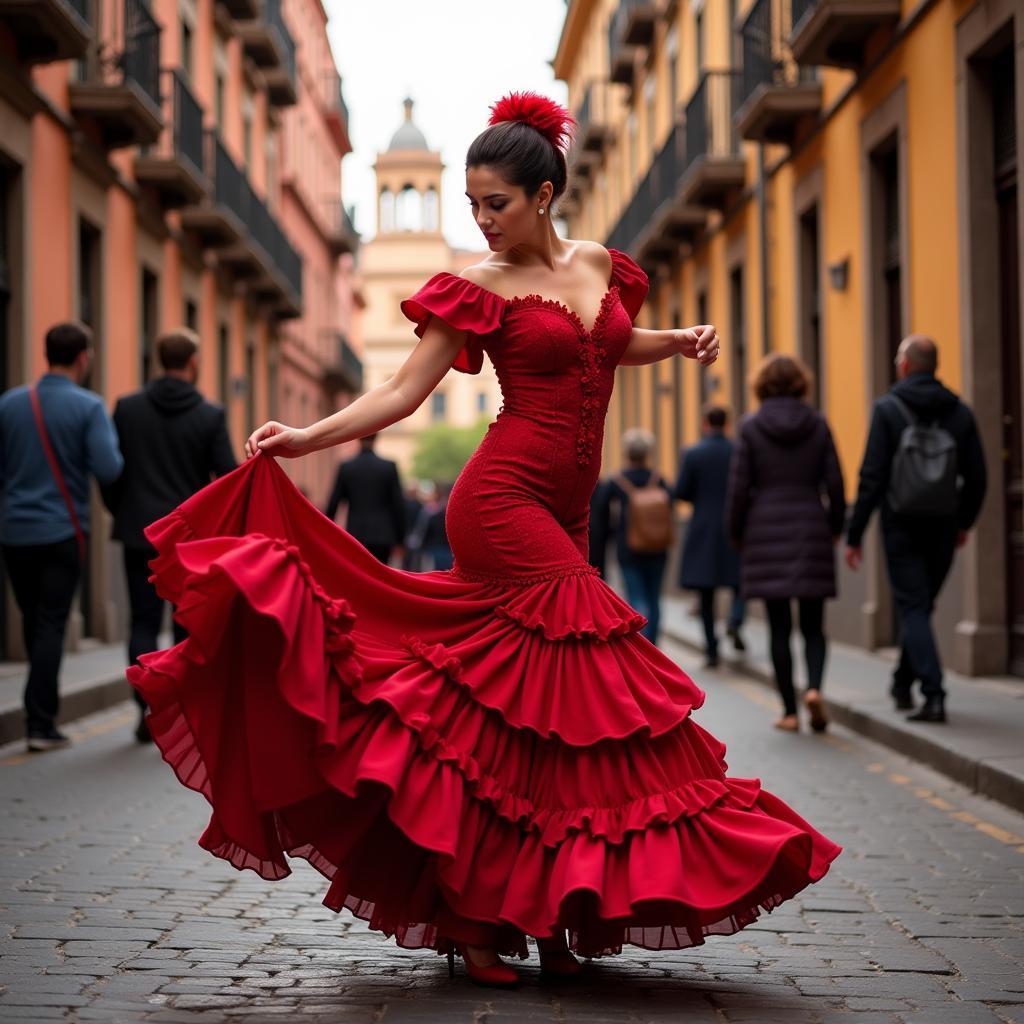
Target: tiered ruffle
531 765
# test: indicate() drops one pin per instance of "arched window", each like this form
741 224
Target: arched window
386 218
430 210
409 210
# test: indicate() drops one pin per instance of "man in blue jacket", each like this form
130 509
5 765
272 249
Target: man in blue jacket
40 540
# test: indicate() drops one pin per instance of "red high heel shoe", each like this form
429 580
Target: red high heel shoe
557 961
498 975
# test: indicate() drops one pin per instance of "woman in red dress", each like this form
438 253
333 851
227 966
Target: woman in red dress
494 751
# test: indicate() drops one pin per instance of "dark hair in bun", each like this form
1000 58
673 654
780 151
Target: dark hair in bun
526 142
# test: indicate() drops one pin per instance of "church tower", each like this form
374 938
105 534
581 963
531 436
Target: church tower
408 249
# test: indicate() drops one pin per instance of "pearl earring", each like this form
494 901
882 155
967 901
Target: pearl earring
541 211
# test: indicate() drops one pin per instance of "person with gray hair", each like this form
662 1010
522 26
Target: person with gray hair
924 465
639 493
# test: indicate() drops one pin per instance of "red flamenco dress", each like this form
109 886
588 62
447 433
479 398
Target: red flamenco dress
480 754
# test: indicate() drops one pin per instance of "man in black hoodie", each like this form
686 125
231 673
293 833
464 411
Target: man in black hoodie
919 549
174 443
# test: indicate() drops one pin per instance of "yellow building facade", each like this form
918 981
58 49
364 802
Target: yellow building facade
821 177
407 250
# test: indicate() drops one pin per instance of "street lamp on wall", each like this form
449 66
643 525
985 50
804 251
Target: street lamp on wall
839 274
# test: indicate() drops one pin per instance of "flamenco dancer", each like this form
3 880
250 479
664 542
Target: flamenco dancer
476 755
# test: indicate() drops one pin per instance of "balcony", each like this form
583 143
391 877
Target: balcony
345 371
835 32
777 95
621 56
714 167
47 30
342 236
267 41
219 219
279 275
174 166
336 110
242 10
657 220
594 119
119 91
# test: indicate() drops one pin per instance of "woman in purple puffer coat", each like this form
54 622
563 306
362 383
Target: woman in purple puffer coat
785 511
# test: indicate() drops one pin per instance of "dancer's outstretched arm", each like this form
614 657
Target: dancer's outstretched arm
383 405
700 343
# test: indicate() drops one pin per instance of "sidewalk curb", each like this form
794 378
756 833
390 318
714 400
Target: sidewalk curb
75 702
985 777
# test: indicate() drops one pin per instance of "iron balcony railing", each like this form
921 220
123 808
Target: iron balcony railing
141 57
766 56
255 223
801 9
83 8
349 365
710 128
274 18
183 122
659 185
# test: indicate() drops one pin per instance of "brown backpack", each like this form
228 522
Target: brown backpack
649 512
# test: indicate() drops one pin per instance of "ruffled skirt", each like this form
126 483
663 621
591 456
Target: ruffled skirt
465 760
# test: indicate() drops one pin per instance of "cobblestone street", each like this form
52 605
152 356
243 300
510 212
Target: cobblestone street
111 912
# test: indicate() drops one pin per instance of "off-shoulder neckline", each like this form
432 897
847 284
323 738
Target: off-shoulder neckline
535 299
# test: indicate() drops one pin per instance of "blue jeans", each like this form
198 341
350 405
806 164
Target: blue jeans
643 590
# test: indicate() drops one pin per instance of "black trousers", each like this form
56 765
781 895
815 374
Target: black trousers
382 552
44 578
147 608
737 611
780 622
918 556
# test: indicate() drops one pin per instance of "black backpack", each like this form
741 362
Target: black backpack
923 478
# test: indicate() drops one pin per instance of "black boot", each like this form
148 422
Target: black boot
933 710
902 696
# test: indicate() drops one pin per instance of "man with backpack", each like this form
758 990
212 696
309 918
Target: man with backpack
925 466
644 529
54 436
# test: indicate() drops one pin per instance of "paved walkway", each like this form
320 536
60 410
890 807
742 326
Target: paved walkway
91 679
979 747
110 912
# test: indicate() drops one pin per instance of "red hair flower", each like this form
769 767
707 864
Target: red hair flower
551 119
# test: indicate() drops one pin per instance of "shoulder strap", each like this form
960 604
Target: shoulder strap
58 476
654 480
904 410
624 482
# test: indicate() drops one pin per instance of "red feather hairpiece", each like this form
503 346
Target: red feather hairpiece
551 119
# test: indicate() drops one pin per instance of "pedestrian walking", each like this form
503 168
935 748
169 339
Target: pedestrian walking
643 527
54 436
488 753
924 465
708 560
174 443
370 488
784 464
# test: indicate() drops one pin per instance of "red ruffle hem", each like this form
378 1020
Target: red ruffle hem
460 758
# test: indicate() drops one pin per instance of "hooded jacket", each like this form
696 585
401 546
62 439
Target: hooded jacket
785 503
174 443
932 402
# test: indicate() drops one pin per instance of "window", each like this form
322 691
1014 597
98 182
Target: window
250 387
148 321
481 401
438 406
218 99
430 210
386 216
672 49
186 47
247 137
810 298
224 364
650 92
698 29
409 210
191 315
737 331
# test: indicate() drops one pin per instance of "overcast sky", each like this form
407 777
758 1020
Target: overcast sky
454 57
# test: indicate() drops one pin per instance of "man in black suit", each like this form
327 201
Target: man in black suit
369 485
174 443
